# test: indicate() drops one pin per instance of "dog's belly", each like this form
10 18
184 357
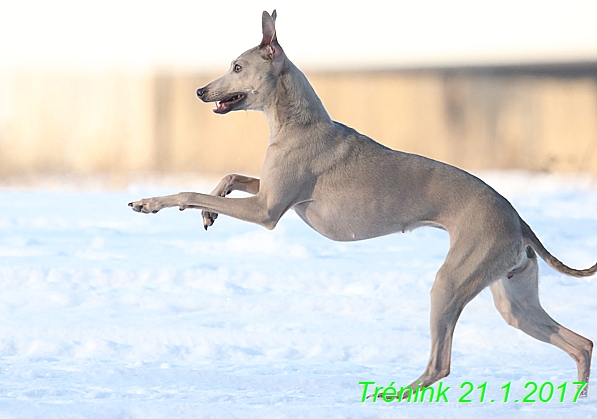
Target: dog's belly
343 223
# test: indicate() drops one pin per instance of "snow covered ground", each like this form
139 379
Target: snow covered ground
106 313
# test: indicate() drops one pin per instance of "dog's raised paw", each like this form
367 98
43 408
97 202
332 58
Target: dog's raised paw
144 206
208 218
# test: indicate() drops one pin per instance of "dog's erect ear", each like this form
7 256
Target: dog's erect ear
269 42
268 24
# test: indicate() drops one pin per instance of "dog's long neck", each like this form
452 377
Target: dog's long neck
295 104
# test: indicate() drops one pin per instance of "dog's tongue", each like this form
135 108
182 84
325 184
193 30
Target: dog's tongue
220 106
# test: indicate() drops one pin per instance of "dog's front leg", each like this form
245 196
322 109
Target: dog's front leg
255 209
228 184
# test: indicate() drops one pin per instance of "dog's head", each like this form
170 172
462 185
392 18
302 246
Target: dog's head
252 77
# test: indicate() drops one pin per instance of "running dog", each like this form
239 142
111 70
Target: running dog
348 187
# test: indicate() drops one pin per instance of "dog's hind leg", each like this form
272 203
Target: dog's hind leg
516 297
466 271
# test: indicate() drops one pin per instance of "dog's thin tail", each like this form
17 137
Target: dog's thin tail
531 239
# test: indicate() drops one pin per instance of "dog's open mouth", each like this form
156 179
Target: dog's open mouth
225 105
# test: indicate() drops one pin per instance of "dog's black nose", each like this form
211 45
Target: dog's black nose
201 91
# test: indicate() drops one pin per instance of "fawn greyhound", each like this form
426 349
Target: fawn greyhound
348 187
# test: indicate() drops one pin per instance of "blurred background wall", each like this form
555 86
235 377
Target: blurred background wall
496 94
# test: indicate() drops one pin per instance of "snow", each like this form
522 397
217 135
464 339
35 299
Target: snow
106 313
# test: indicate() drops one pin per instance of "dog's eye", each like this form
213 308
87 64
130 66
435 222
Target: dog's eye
237 68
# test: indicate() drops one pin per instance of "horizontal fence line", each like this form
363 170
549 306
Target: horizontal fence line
533 118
